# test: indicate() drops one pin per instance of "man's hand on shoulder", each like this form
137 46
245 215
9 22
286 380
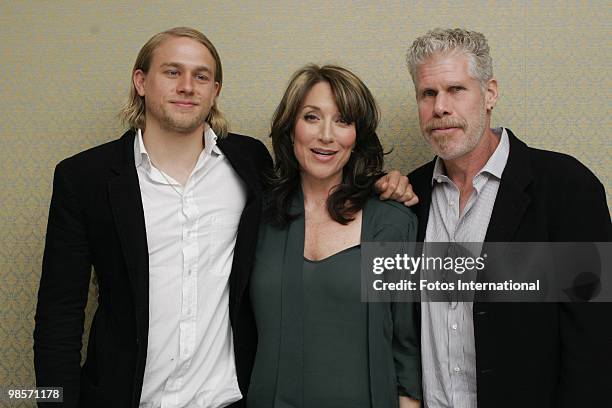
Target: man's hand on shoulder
395 186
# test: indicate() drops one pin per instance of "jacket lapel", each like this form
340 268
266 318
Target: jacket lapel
244 249
242 165
292 311
375 315
512 198
128 214
511 202
422 187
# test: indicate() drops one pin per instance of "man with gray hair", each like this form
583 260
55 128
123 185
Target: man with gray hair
485 185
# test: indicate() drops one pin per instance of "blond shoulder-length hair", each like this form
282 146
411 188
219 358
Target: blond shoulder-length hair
133 112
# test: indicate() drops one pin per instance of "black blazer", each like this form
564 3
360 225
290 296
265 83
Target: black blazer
544 355
96 219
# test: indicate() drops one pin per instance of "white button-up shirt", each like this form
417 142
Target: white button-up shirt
191 233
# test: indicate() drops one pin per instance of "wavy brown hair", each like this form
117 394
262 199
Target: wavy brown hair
133 111
356 105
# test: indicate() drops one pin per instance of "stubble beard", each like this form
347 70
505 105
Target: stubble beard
448 149
179 122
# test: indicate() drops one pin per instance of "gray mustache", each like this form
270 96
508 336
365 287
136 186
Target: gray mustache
445 123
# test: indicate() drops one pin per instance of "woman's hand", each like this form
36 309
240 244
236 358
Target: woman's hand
395 186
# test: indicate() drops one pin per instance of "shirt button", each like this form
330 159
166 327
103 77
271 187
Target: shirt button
451 203
454 326
457 369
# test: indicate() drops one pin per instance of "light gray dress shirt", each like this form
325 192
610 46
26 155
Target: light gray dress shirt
447 331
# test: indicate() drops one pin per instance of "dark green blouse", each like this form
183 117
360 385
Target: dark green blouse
318 344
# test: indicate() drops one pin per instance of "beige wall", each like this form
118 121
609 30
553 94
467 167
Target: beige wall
65 68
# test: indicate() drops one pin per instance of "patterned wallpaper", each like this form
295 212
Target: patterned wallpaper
66 70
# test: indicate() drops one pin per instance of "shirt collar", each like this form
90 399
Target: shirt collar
439 171
497 162
141 156
494 166
210 142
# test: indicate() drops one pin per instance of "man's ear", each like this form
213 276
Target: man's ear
216 94
138 78
491 94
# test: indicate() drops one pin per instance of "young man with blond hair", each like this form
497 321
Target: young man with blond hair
156 213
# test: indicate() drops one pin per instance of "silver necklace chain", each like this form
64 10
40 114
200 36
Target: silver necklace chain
166 178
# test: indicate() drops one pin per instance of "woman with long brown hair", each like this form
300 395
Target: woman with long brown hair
318 344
